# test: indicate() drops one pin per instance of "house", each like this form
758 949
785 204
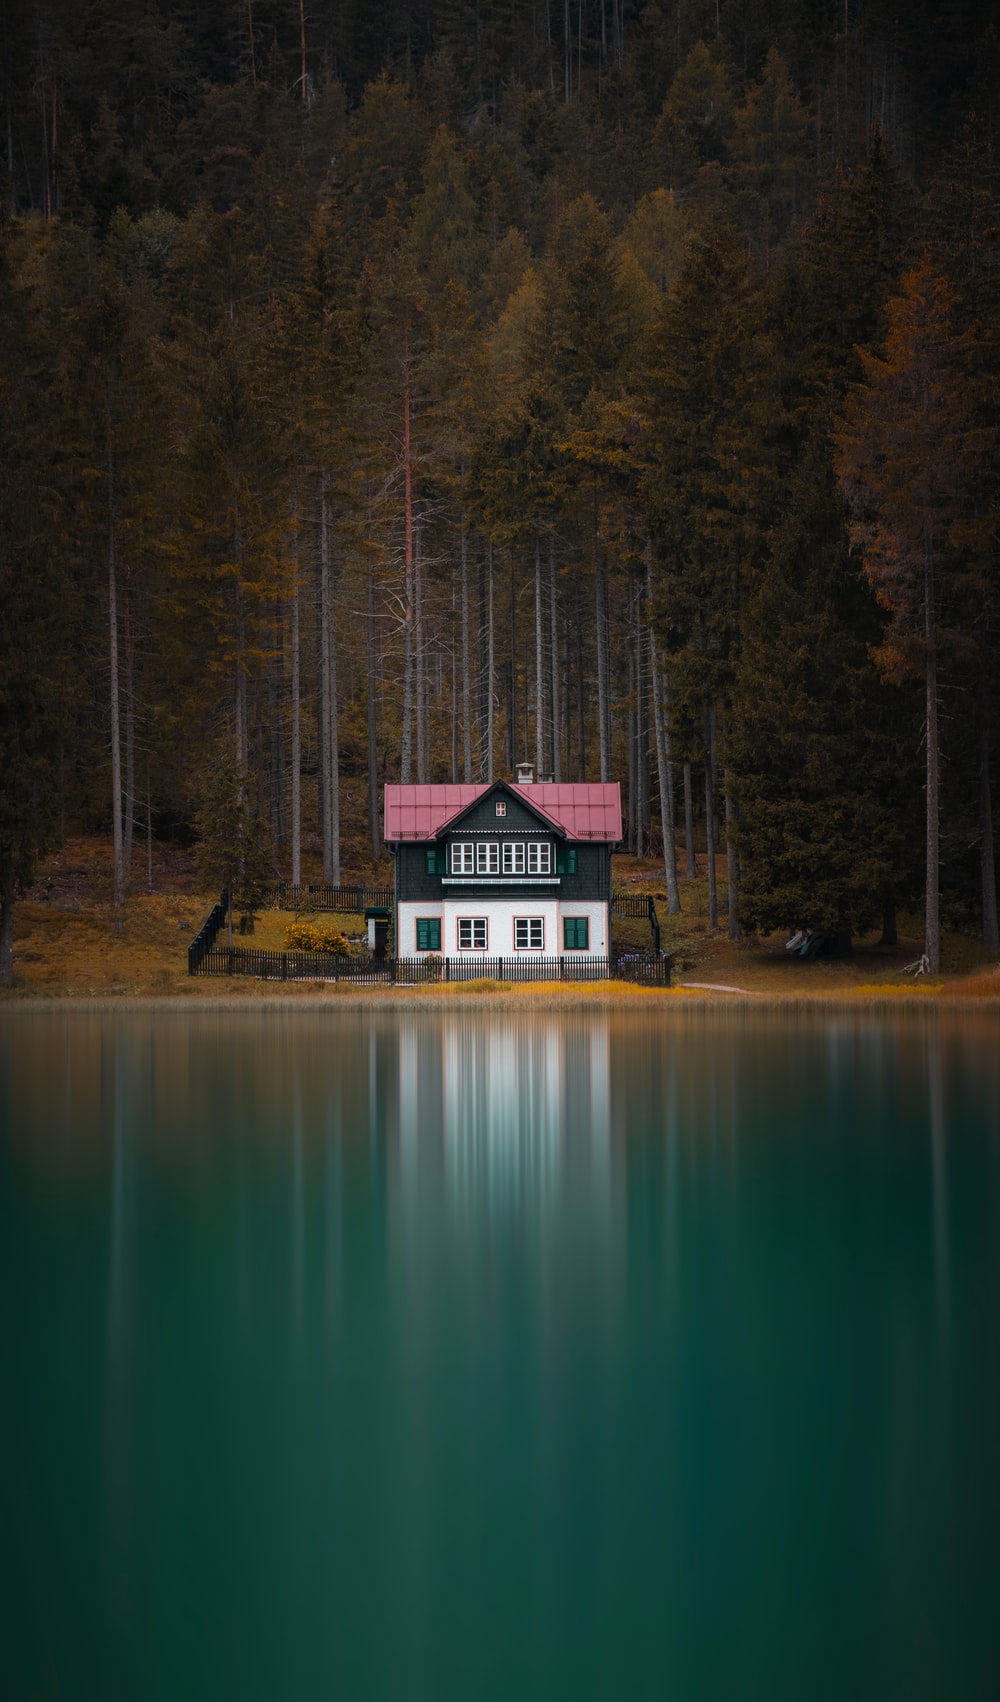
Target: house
504 868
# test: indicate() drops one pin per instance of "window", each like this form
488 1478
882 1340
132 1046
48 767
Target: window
428 933
529 933
539 858
565 859
501 807
462 858
576 933
437 860
513 857
472 934
488 858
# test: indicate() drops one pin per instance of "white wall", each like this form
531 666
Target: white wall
500 913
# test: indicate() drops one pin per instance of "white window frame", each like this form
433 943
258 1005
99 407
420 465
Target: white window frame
539 857
513 856
488 857
463 857
472 926
532 931
501 807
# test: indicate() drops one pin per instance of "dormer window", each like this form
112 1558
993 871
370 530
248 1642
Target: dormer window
501 806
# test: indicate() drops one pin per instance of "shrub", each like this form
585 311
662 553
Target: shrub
316 935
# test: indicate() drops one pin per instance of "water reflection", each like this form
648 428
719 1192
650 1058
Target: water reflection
478 1355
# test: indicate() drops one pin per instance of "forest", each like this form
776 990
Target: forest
402 391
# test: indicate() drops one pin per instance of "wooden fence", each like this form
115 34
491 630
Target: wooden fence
342 900
366 971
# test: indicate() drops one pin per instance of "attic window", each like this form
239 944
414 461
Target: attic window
501 807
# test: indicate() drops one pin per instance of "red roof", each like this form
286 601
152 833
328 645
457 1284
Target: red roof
582 811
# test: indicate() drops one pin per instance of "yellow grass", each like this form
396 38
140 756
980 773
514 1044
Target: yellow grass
65 944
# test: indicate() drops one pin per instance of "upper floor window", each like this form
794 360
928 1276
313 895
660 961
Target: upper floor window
462 857
539 857
488 857
513 857
501 807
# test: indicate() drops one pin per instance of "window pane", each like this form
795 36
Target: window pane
538 858
529 933
472 933
513 858
461 858
488 858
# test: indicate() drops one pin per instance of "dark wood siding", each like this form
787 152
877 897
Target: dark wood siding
592 878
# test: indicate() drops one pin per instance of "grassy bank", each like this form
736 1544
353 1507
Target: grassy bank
66 946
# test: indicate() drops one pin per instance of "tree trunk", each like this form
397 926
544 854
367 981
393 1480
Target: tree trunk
7 940
466 662
490 666
581 706
328 700
601 596
540 764
665 775
373 825
689 857
713 897
991 932
296 660
932 926
406 743
732 873
556 673
128 801
118 848
420 669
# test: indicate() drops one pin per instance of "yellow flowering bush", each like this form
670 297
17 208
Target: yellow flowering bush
315 934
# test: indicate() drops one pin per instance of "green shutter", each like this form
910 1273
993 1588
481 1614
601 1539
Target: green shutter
437 860
565 860
576 933
428 933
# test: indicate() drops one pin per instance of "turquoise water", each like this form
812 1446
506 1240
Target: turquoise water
478 1356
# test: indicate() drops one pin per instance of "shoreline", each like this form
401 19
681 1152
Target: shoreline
588 995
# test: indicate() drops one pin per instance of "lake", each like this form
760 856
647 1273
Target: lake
485 1355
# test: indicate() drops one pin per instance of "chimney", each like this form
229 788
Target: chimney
525 774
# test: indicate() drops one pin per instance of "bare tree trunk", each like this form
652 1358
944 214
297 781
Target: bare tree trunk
373 826
732 872
149 833
6 940
406 743
296 660
601 596
581 707
420 658
642 731
713 897
932 927
556 675
466 663
330 760
118 849
664 768
490 667
539 666
689 857
128 801
991 932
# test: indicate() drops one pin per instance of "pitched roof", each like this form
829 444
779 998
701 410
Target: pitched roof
590 810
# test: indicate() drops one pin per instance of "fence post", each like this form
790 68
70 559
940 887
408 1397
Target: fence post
284 966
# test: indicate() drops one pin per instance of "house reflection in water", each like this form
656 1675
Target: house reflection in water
504 1108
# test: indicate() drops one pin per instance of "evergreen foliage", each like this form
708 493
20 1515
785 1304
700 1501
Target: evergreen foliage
441 386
